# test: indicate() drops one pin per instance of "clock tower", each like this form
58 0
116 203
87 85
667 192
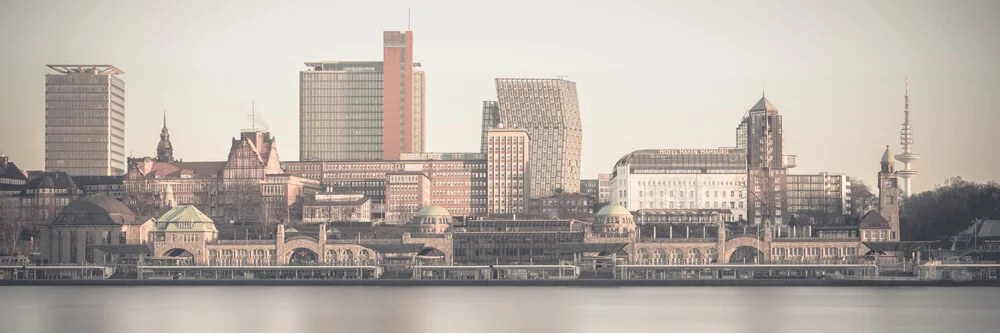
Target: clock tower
888 193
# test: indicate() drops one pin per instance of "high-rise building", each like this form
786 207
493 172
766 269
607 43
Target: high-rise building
363 110
399 121
508 177
419 110
85 120
491 118
549 111
340 115
761 134
906 141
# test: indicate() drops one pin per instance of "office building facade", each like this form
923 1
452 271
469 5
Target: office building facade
599 189
548 109
340 113
823 193
508 176
85 120
363 110
491 118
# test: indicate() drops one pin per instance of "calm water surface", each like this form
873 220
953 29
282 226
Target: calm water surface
497 309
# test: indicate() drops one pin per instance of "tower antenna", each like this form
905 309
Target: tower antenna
408 19
253 114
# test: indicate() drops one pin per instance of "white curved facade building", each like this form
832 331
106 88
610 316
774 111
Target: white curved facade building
681 179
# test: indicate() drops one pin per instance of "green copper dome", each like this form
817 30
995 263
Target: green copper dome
610 210
433 211
887 157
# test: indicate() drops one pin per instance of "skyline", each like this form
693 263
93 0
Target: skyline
950 102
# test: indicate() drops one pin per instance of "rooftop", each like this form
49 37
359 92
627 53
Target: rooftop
86 69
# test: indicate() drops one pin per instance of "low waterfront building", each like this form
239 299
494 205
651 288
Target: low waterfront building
334 207
563 205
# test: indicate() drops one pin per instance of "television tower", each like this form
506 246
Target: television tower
906 140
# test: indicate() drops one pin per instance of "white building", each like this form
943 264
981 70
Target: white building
508 179
85 120
681 179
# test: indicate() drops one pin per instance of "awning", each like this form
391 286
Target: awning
902 246
122 248
607 248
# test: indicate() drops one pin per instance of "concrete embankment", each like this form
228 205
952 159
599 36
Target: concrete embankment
513 283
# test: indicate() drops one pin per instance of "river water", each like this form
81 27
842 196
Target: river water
498 309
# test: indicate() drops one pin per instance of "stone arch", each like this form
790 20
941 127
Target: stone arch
642 256
745 241
178 252
302 256
285 250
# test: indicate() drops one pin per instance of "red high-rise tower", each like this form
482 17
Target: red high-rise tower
397 95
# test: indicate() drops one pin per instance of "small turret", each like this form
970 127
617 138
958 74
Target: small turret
888 160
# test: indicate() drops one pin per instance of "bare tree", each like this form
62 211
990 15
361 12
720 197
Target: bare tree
862 197
15 221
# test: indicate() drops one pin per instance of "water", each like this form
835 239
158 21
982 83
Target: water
497 309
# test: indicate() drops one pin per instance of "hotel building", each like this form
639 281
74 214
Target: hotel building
681 179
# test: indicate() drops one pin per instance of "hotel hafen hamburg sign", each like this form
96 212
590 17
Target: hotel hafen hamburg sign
694 151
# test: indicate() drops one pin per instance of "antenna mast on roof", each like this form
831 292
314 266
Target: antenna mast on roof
408 19
253 114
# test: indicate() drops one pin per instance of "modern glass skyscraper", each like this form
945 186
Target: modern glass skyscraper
340 112
548 109
85 120
363 110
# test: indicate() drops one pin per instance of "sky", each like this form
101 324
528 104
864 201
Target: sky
650 74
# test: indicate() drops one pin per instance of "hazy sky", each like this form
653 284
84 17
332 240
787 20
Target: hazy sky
650 74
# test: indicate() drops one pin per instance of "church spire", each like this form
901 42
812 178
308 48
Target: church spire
164 150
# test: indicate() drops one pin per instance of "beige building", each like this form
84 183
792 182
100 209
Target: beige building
549 111
508 173
434 237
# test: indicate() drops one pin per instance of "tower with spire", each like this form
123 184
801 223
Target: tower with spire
888 193
906 141
164 150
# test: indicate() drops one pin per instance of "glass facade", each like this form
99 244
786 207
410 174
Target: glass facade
85 121
549 110
341 111
491 117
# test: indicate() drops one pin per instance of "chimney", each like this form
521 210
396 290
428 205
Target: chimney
3 161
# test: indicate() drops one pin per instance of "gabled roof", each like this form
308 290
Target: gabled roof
763 105
184 213
54 180
873 220
176 169
98 180
990 228
11 171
